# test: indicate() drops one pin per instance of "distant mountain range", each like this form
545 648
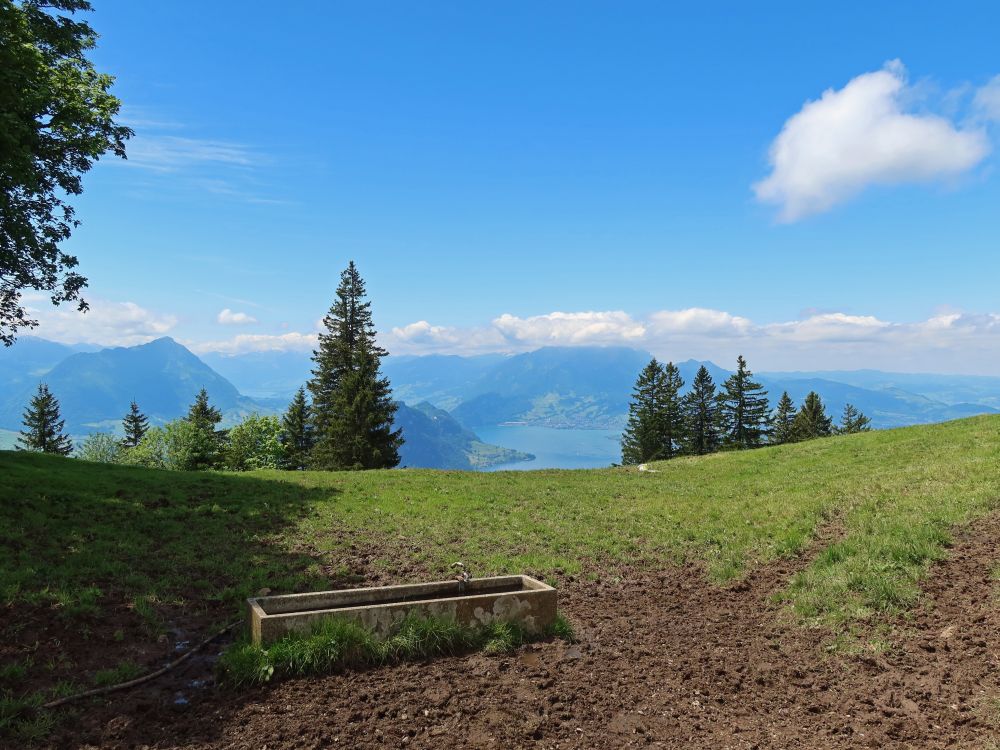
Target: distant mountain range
449 397
589 387
95 389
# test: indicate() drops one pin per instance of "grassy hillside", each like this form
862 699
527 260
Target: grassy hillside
86 537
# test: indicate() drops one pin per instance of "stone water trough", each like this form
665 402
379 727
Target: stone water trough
480 601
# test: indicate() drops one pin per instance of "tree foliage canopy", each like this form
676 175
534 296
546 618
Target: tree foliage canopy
43 425
743 409
57 117
352 406
812 420
701 415
853 420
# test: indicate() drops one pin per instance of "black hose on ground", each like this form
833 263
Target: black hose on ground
144 678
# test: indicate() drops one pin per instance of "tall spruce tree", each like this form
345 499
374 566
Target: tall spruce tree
352 406
43 425
206 441
296 432
853 421
672 415
645 436
135 425
744 411
812 421
700 409
783 421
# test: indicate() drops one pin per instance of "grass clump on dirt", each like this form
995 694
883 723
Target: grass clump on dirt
21 718
338 643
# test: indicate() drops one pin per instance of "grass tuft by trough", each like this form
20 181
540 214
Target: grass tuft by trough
336 644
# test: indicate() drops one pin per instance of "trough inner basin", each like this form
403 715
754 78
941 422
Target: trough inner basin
275 608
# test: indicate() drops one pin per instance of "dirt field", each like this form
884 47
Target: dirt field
664 660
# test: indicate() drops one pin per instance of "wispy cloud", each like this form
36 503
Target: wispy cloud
254 342
173 154
987 100
867 134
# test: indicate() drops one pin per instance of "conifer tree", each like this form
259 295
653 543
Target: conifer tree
812 421
352 406
701 415
43 425
645 438
782 424
853 421
202 413
296 432
135 425
744 410
205 443
672 416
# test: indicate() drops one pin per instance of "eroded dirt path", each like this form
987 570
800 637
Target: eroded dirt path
665 660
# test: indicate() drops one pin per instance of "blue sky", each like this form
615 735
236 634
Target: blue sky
489 165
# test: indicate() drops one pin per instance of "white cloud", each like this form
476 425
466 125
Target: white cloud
698 321
567 329
107 323
258 342
229 318
859 136
987 100
422 336
947 341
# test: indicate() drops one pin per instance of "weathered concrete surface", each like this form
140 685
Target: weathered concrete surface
518 599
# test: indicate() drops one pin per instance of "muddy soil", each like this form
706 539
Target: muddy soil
665 660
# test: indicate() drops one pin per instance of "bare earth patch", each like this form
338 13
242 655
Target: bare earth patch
665 660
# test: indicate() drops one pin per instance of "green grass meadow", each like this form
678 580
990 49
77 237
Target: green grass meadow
73 534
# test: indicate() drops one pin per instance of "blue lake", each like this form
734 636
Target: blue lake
553 448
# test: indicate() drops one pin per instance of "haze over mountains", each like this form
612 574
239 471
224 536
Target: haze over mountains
447 397
589 387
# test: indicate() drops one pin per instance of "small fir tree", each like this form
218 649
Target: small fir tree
812 421
198 448
43 425
296 432
743 409
700 408
202 413
352 405
135 425
782 423
644 438
853 421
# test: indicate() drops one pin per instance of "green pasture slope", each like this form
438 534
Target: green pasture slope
79 536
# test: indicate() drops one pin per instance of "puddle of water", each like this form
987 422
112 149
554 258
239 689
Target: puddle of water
180 699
